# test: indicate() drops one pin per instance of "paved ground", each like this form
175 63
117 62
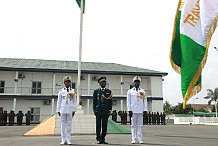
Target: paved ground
154 135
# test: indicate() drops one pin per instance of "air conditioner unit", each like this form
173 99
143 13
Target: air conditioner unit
46 102
82 77
21 75
94 78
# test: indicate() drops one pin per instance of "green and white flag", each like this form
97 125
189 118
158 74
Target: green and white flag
79 4
194 25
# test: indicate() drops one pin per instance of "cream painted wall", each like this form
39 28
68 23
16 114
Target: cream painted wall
157 106
7 105
153 84
113 82
156 87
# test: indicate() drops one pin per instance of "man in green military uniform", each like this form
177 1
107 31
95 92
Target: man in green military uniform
114 116
11 116
19 118
5 117
102 106
1 117
28 117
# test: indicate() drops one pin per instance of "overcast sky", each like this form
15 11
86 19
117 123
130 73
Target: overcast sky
130 32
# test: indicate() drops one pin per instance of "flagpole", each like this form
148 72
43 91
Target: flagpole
80 53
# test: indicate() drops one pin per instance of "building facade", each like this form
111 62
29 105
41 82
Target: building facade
32 85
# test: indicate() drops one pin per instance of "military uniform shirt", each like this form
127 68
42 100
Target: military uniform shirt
102 105
135 102
66 103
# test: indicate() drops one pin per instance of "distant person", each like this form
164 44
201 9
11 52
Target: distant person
5 118
154 118
149 118
158 118
11 116
114 116
122 117
102 106
125 117
137 106
28 117
66 108
1 118
19 118
145 119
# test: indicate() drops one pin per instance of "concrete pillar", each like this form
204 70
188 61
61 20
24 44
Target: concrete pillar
121 85
15 90
121 105
89 84
88 107
14 104
52 106
54 84
53 93
15 82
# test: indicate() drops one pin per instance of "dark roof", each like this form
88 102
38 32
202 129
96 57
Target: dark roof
39 65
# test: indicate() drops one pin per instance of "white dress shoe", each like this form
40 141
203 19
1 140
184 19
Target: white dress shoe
62 143
141 142
133 142
69 143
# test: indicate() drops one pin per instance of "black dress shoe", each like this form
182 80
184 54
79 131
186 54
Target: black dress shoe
99 142
104 142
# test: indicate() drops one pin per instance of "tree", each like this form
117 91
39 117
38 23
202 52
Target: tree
201 110
178 109
188 109
213 96
167 107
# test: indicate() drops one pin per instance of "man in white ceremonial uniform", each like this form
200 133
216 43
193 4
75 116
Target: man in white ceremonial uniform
66 108
136 106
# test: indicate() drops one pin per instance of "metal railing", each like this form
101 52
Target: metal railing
29 91
196 120
49 91
114 91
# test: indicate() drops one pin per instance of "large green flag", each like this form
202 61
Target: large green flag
79 4
194 25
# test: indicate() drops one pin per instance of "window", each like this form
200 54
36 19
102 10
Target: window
1 109
35 111
2 86
36 88
73 85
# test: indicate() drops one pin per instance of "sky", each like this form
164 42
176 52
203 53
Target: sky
129 32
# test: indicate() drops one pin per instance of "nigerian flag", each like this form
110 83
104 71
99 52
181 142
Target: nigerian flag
194 25
79 4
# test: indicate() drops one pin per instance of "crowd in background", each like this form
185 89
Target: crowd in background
151 118
9 118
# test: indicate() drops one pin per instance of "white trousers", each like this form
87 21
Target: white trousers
66 127
136 126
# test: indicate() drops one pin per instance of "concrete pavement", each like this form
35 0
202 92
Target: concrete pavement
154 135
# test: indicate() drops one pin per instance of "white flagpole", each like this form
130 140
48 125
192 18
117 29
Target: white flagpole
80 53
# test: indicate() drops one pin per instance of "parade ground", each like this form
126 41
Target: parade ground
154 135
